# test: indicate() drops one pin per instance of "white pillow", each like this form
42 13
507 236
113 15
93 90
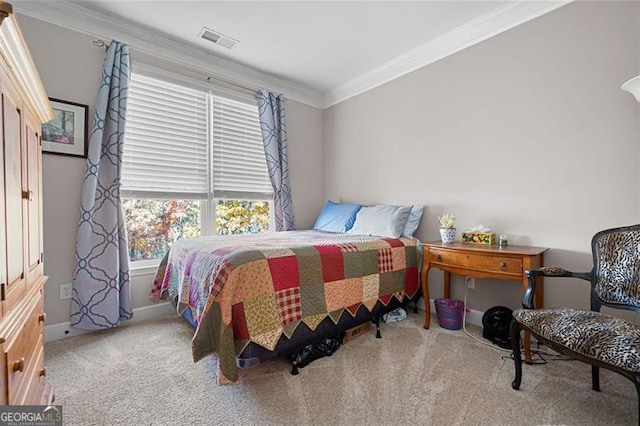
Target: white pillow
384 221
414 220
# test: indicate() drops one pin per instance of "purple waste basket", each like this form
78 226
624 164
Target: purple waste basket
450 313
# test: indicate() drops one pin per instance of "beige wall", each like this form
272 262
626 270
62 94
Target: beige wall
70 68
304 135
527 132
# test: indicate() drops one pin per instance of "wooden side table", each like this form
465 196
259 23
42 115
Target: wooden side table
482 261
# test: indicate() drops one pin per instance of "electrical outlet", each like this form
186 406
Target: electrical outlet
65 291
470 282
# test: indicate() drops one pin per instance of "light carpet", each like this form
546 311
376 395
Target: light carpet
143 374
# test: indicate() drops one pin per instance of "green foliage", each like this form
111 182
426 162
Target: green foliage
241 217
153 225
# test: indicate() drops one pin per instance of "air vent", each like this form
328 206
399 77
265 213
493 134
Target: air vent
217 38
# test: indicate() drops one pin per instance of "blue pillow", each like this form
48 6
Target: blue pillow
384 221
413 221
336 217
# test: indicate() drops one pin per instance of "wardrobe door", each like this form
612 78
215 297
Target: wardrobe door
3 240
32 182
14 162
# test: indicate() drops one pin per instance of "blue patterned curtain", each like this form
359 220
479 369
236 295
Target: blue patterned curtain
274 137
101 287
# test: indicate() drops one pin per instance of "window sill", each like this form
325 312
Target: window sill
144 267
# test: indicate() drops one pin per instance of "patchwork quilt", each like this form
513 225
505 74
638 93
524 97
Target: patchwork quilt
260 287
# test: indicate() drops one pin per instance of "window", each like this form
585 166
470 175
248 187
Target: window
193 164
152 225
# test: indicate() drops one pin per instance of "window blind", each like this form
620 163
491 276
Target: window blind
239 164
166 151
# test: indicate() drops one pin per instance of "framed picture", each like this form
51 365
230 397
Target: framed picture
67 133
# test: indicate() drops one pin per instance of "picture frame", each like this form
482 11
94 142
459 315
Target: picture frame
67 133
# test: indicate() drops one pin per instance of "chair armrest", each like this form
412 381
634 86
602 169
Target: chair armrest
547 271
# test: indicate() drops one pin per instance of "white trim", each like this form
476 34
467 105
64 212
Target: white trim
76 17
63 330
473 32
144 267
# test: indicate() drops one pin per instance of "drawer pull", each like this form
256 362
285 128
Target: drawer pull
42 317
503 265
43 372
439 258
18 365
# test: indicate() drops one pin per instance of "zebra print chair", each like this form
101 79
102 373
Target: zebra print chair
600 340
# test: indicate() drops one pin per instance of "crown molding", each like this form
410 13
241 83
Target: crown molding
481 28
15 52
75 16
79 18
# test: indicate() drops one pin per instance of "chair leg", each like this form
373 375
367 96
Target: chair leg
517 358
595 378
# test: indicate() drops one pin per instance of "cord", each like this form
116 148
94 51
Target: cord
538 351
464 326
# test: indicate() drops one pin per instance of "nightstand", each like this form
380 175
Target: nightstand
482 261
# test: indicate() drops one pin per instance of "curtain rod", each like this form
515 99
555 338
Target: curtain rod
241 86
210 79
100 43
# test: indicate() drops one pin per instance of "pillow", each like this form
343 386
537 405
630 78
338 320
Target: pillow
384 221
413 221
336 217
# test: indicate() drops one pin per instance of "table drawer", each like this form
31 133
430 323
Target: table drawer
508 265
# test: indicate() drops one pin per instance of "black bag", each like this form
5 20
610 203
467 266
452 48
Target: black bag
321 349
496 323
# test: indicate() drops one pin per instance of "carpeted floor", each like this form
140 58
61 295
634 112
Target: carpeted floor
143 374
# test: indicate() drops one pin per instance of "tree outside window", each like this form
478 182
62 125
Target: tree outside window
153 225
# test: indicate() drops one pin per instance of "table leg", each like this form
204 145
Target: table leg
425 295
527 348
447 284
539 296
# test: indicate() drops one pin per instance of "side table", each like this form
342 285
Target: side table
482 261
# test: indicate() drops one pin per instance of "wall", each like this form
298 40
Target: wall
70 68
527 132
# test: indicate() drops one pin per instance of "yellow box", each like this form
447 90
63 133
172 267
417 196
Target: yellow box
479 237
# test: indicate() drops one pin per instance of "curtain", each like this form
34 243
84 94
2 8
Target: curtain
101 296
274 137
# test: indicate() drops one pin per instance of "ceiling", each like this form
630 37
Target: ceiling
329 50
320 44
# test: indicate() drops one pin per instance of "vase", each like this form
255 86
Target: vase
447 235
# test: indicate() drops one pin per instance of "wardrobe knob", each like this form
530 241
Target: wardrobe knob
18 365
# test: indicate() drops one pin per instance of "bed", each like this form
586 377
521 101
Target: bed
256 296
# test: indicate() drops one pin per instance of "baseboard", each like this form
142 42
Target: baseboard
473 316
63 330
